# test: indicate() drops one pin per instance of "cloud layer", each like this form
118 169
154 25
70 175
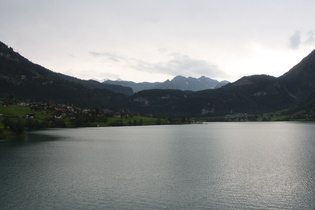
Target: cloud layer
181 65
136 39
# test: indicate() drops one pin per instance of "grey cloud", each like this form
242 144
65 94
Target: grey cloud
96 54
299 38
155 20
111 56
182 65
295 40
310 37
109 76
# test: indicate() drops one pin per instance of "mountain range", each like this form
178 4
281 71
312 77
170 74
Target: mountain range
177 83
293 92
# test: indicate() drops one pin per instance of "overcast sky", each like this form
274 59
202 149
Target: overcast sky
155 40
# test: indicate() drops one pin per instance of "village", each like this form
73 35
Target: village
17 115
57 111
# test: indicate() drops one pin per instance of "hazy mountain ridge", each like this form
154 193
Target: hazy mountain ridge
91 84
136 87
177 83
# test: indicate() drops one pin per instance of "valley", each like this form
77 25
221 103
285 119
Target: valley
180 100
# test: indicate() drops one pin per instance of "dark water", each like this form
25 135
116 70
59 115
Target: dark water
206 166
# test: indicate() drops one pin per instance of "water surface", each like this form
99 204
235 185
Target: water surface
267 165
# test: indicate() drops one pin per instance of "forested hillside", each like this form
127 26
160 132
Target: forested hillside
23 79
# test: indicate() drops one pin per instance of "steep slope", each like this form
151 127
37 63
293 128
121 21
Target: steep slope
300 81
301 78
21 78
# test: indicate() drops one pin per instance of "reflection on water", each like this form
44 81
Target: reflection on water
209 166
27 139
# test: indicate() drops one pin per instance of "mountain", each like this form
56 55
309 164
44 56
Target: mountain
23 79
253 94
190 83
301 78
300 81
294 91
136 87
177 83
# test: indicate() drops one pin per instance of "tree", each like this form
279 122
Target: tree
16 127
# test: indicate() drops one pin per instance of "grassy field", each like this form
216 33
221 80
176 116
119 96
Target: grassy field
19 112
14 110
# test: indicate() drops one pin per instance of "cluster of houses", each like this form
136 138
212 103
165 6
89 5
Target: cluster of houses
59 111
62 111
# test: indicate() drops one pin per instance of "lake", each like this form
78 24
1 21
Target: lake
250 165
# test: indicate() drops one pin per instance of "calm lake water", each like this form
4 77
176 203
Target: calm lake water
260 165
